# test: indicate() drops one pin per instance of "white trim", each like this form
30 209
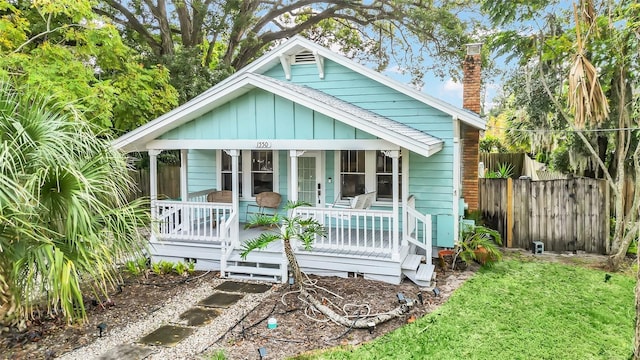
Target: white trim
404 156
328 144
286 66
457 164
320 174
370 174
184 174
136 139
298 43
245 172
319 64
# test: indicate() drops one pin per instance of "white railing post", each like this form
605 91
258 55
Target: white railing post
153 190
395 154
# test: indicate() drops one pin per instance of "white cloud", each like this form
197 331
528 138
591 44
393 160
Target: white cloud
452 87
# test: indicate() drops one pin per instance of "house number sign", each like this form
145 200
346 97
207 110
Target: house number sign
263 145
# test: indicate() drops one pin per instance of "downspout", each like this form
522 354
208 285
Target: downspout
457 164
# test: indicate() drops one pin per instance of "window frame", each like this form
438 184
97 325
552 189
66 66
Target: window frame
371 178
245 173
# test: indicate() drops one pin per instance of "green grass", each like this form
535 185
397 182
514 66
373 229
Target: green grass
518 310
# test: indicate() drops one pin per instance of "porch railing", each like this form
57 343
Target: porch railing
231 239
199 196
195 221
419 229
366 231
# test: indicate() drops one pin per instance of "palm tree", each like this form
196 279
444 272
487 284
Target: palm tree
65 220
288 229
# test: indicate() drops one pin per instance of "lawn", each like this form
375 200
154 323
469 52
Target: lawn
518 310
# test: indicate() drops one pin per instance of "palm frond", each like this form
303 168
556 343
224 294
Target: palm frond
260 242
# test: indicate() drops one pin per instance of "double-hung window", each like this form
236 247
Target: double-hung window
261 171
362 171
227 173
255 172
352 173
384 176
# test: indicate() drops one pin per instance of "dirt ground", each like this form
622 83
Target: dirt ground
298 329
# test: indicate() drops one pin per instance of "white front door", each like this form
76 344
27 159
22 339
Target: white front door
310 178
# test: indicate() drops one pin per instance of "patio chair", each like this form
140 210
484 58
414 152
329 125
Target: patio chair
362 201
267 202
222 196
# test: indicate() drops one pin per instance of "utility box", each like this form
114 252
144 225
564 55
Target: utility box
537 247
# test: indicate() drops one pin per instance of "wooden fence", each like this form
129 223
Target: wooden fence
168 182
492 162
566 215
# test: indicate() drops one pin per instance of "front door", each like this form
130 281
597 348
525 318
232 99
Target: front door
310 179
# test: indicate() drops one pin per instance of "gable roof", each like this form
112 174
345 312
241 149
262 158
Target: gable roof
299 43
372 123
250 78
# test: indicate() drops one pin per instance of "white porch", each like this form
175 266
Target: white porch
360 242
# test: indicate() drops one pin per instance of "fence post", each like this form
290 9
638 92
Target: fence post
509 212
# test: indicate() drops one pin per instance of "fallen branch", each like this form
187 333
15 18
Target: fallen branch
363 323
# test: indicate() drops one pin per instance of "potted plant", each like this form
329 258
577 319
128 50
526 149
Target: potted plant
480 244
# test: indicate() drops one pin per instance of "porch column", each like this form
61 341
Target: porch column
293 177
234 179
184 183
395 155
153 189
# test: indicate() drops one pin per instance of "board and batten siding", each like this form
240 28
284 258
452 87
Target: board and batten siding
430 179
202 170
261 115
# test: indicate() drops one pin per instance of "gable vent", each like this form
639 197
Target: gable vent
304 57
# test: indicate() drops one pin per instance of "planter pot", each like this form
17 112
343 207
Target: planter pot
483 257
445 258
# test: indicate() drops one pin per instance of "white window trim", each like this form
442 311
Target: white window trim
246 173
370 176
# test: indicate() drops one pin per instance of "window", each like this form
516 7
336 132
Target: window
352 173
360 171
384 176
261 171
225 170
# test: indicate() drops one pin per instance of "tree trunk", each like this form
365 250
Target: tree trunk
293 262
8 303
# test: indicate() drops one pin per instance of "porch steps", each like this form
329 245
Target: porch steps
413 268
265 266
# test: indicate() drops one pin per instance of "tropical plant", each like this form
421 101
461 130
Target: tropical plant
65 218
505 171
479 243
181 268
156 268
287 229
296 228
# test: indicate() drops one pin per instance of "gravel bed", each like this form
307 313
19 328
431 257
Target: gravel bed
201 339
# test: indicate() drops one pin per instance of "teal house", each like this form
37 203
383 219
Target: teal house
386 168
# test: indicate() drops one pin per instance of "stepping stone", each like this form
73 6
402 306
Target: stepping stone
168 335
199 316
221 300
232 286
127 352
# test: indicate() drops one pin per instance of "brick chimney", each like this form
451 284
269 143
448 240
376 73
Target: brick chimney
471 136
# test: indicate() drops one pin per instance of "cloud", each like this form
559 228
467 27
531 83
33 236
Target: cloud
451 86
